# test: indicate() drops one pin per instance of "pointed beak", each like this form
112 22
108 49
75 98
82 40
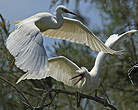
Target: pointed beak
78 80
68 11
81 77
82 74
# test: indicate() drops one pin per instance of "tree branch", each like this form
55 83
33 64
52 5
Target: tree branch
57 91
97 99
130 72
20 92
3 25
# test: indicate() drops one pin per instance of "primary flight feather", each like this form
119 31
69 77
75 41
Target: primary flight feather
70 74
64 70
25 43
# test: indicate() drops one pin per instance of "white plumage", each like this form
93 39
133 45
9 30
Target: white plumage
62 69
25 43
65 69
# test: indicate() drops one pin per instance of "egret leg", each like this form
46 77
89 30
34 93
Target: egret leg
87 102
78 99
95 93
105 93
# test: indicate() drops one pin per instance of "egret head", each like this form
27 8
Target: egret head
62 9
82 72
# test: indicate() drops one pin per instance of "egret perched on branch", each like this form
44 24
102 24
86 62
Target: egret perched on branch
25 43
64 70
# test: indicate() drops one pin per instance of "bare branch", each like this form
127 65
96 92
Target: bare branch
44 99
97 99
134 48
130 72
57 91
3 25
20 92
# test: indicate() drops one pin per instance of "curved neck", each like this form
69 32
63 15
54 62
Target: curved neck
99 61
59 20
98 64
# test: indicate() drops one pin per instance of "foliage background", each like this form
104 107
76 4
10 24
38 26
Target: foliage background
117 17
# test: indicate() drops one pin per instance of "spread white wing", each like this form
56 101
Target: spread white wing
115 38
74 31
110 42
26 44
63 69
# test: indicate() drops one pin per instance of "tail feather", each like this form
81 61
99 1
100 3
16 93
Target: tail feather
39 76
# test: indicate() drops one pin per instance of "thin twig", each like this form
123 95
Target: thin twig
20 92
44 99
45 105
51 101
97 99
134 48
130 72
3 25
105 92
24 102
69 99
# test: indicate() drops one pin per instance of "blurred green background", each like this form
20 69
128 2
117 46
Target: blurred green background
110 17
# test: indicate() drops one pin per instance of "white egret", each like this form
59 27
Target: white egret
64 70
25 43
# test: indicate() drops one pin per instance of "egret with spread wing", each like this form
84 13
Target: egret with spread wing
70 74
25 43
64 70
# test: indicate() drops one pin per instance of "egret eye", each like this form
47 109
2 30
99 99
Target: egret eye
63 9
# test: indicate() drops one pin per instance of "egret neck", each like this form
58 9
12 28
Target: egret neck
59 20
95 72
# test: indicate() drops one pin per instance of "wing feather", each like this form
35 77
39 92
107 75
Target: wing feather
113 39
63 69
74 31
26 45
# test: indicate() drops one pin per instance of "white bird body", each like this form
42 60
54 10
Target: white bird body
44 19
91 79
25 43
